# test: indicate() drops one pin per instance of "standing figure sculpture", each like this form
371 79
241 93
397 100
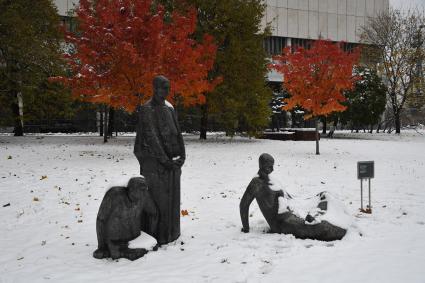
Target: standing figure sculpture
160 151
286 221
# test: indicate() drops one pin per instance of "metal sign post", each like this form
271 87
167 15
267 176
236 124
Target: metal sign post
365 170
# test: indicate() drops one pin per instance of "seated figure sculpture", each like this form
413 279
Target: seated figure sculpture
123 214
286 222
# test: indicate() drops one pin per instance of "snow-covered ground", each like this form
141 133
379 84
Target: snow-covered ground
51 188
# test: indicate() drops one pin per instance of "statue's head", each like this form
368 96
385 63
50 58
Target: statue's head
136 188
161 87
266 163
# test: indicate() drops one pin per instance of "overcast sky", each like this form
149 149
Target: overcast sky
406 4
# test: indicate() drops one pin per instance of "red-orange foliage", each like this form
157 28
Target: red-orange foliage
317 77
122 45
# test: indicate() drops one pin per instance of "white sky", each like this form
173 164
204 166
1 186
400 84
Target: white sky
406 4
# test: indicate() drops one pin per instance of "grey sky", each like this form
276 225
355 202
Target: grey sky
406 4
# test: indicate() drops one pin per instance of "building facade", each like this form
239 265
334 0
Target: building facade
337 20
65 7
299 22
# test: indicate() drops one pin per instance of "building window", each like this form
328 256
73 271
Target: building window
349 47
300 43
273 45
69 23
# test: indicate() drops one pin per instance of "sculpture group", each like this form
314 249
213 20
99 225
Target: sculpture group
151 203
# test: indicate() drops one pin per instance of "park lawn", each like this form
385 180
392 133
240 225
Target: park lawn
51 187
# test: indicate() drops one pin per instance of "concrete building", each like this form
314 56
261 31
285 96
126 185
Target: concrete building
293 21
65 7
65 11
337 20
298 22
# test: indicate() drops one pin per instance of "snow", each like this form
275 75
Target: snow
336 213
168 104
144 241
51 187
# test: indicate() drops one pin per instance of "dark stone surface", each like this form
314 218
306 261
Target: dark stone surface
288 222
160 151
123 214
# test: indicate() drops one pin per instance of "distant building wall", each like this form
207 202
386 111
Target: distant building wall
337 20
299 22
65 6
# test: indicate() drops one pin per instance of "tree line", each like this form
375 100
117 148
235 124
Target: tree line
213 53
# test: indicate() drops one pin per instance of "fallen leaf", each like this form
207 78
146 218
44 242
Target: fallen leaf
7 204
43 177
184 212
36 199
80 221
9 157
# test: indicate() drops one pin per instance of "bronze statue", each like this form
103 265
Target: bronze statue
160 151
286 222
120 220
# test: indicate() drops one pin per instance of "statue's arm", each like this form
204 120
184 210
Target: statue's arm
101 221
246 201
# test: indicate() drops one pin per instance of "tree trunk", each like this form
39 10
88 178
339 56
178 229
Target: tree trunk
317 136
293 122
397 122
17 108
204 122
324 125
111 123
336 120
18 127
105 125
101 122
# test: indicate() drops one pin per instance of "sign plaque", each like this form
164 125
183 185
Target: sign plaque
365 170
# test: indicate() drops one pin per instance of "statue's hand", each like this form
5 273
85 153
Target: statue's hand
179 162
169 164
245 230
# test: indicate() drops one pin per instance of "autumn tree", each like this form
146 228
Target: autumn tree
400 37
122 45
30 52
316 78
241 101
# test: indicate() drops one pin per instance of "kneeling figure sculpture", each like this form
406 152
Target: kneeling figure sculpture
123 214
